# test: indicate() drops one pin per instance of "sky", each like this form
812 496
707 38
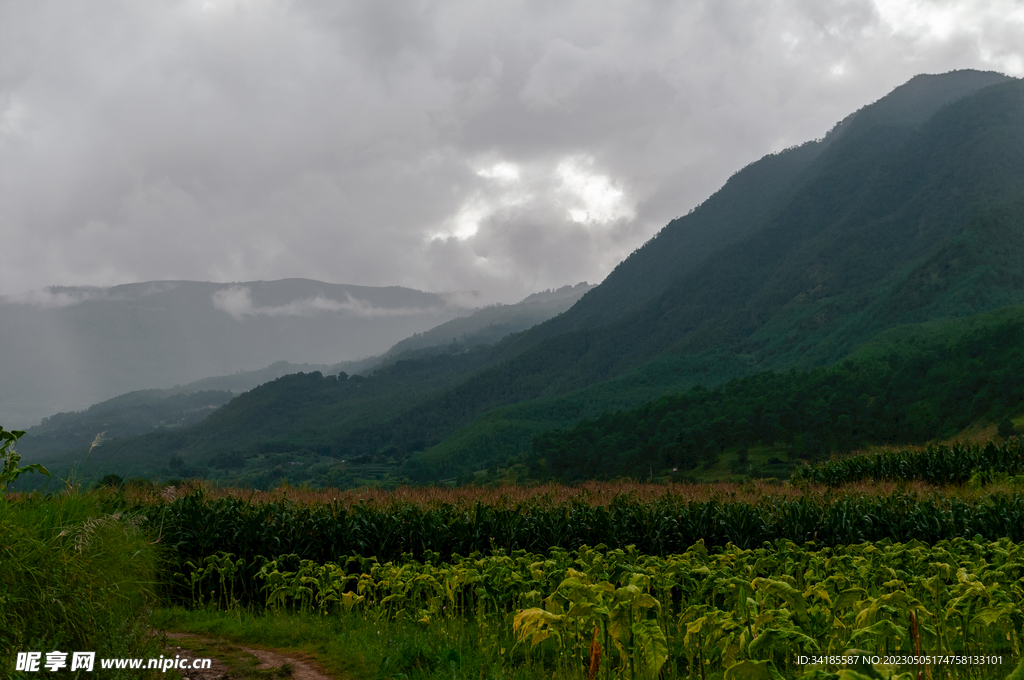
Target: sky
455 146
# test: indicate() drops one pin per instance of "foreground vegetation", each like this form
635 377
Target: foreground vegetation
77 575
618 613
677 581
668 520
599 580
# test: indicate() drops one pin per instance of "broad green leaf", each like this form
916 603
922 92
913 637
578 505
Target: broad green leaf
753 670
884 628
861 669
650 647
849 674
781 641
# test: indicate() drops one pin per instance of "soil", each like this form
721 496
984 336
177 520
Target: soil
271 663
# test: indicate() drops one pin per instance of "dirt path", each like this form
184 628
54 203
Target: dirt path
230 661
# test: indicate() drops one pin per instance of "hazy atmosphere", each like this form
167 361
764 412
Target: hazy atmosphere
497 147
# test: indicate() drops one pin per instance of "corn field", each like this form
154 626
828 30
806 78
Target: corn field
715 583
935 464
193 527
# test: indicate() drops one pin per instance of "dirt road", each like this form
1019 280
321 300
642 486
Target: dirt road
230 661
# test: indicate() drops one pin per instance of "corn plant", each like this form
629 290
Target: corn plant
10 468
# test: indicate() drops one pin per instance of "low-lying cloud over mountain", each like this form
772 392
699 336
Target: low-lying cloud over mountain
65 348
237 301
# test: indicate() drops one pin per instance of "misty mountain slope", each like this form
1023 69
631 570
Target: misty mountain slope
726 217
67 348
126 415
243 381
838 248
143 411
863 238
299 414
938 233
751 195
454 348
487 326
830 268
873 212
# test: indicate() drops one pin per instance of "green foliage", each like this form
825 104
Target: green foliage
935 464
76 575
734 612
10 468
900 395
193 528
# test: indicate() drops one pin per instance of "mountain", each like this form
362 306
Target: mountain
144 411
751 196
910 384
490 324
903 216
66 348
909 210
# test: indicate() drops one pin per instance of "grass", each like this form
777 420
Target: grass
76 575
240 664
348 647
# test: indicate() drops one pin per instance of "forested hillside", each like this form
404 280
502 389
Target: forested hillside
886 394
911 209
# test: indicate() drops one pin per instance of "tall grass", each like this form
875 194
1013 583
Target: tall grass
75 575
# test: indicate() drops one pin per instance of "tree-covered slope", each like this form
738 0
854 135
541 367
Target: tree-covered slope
127 415
897 390
751 196
896 223
911 209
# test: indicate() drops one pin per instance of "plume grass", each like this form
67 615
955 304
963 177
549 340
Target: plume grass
76 577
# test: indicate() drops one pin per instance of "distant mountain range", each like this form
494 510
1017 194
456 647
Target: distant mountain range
143 411
910 211
66 348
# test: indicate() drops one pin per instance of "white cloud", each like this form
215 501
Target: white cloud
502 172
596 199
13 114
56 297
504 190
237 302
994 27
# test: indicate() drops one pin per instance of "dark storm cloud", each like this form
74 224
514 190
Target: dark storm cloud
501 147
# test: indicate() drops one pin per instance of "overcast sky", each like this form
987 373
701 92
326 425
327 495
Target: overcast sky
503 147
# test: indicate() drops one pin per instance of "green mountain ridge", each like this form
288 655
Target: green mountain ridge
806 295
909 385
910 209
144 411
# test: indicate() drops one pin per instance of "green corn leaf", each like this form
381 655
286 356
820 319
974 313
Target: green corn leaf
861 669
